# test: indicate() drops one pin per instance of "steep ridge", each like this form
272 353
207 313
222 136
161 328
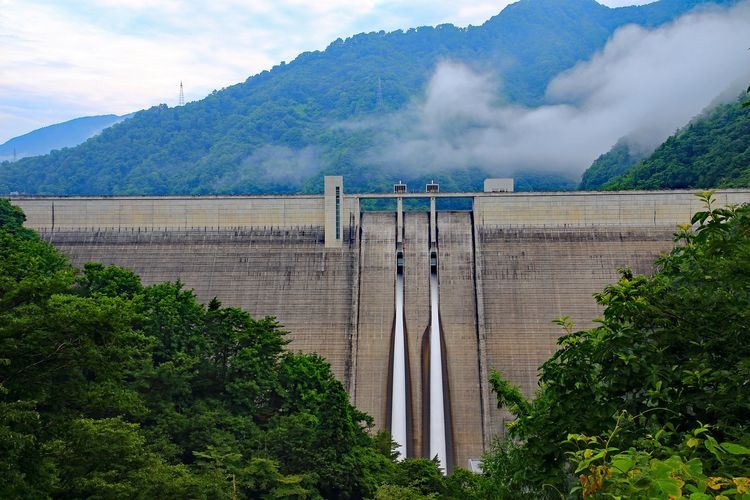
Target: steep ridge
611 164
712 151
280 129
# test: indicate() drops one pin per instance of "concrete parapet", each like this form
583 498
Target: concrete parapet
578 208
172 212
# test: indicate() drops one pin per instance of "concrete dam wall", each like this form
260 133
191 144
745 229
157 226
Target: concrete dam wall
328 272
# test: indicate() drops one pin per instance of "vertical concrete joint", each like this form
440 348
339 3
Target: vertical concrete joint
487 430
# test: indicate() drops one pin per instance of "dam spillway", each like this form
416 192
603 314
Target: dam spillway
437 429
328 271
399 389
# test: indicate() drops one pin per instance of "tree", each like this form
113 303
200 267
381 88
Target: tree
109 389
111 281
671 351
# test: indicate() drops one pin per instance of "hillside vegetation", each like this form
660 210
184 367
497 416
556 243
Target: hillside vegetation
611 164
710 151
281 130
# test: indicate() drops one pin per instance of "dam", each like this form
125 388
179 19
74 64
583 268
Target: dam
412 308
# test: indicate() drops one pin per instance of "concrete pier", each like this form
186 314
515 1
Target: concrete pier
458 317
376 315
417 307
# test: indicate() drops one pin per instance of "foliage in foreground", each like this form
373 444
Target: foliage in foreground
109 389
654 401
113 390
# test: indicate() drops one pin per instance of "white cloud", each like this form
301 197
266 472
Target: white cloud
643 84
116 56
625 3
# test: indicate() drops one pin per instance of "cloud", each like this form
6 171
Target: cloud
625 3
270 166
643 84
78 68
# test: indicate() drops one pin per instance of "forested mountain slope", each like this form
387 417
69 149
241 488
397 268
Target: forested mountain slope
712 151
281 130
611 164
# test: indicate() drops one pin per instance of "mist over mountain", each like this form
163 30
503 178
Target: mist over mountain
712 151
538 92
623 155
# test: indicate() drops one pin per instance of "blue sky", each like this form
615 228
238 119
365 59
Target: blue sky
62 59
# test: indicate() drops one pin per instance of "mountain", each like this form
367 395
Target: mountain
713 151
61 135
281 130
623 155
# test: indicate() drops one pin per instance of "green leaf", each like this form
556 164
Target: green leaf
669 487
622 463
713 446
735 449
694 469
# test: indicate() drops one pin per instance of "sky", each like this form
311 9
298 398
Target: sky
63 59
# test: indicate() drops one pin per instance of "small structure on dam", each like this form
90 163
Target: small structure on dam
413 309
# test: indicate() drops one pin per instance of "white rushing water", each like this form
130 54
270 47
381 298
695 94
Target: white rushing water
398 394
437 407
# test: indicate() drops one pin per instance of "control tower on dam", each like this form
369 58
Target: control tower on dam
413 309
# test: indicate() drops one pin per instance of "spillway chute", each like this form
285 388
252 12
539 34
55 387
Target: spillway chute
399 389
438 442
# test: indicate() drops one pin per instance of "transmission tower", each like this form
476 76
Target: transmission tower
182 96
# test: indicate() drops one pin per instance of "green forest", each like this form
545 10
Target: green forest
610 165
711 152
109 389
282 130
